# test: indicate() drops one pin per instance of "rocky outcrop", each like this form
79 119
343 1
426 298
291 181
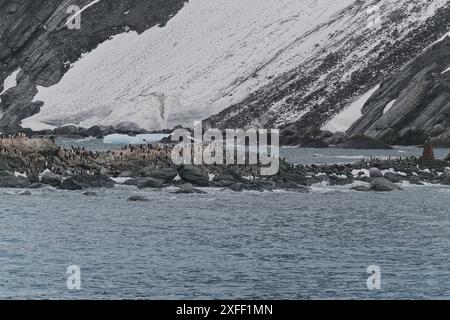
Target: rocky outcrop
137 198
164 174
413 103
11 181
79 182
194 175
51 179
33 39
383 185
149 183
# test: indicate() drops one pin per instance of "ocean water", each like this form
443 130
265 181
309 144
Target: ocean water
227 245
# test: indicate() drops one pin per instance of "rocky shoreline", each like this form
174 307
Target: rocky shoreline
36 163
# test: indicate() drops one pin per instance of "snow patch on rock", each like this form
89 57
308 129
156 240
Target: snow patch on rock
344 120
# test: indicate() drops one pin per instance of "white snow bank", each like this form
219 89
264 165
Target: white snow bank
10 81
348 116
389 106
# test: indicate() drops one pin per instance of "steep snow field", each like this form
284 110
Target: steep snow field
202 61
10 82
343 120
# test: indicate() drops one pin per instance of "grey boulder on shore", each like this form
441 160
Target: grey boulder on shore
137 199
11 181
80 182
164 174
149 183
194 175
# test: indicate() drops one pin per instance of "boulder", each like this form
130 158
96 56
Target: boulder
445 179
137 199
375 173
392 177
383 185
233 173
51 178
131 182
33 177
165 174
149 183
194 175
87 181
11 181
339 180
237 187
296 178
70 184
415 180
96 181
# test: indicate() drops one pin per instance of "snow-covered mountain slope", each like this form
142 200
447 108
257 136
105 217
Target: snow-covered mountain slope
292 64
349 63
201 62
34 40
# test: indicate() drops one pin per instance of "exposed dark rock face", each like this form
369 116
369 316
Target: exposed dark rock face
149 183
421 91
11 181
34 39
194 175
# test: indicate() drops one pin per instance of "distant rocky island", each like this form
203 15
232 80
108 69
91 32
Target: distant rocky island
38 162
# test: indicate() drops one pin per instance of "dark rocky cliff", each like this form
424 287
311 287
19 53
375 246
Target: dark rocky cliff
33 37
419 95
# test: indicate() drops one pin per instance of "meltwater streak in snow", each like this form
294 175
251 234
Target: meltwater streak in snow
199 63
